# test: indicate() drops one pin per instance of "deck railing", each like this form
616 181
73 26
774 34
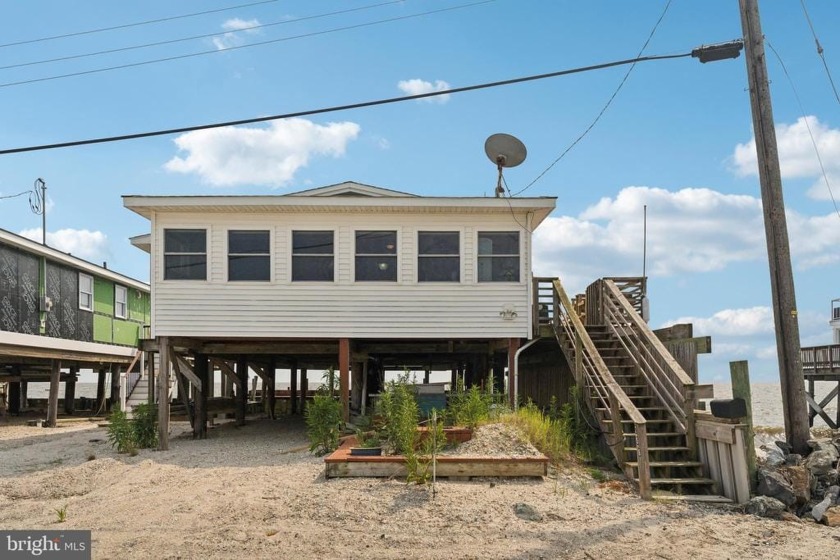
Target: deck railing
600 389
543 303
653 362
821 359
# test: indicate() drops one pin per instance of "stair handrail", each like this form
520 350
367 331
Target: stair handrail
132 377
662 372
593 376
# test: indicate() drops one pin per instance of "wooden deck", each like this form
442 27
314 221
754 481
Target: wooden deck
822 363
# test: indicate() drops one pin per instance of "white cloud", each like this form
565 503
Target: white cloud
692 230
416 86
264 156
82 243
749 321
235 28
797 156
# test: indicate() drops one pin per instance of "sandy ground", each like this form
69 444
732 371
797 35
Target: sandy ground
255 492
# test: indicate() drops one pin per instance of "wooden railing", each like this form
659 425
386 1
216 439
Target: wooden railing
599 388
132 377
542 312
821 359
653 362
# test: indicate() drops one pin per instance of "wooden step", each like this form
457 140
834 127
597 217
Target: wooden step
706 499
693 481
647 420
656 449
656 434
686 464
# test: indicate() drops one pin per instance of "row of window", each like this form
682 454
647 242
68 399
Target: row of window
313 256
86 296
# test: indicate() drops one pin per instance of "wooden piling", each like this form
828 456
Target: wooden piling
100 391
163 394
271 374
293 388
241 389
740 375
115 384
150 361
513 346
304 390
14 397
344 378
52 403
70 391
202 371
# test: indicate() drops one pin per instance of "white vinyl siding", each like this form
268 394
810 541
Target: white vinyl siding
343 308
120 302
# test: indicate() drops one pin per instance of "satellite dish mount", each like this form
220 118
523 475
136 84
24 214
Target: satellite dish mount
505 151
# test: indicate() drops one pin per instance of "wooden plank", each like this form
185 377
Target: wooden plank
714 463
344 376
183 368
740 466
241 389
446 467
70 391
818 409
739 373
723 433
704 391
201 398
726 471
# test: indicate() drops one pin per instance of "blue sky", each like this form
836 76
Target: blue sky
677 137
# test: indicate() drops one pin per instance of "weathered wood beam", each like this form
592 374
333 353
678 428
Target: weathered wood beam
163 395
203 373
70 392
293 388
241 389
115 384
183 368
226 370
100 390
259 371
52 403
513 346
270 347
344 376
271 387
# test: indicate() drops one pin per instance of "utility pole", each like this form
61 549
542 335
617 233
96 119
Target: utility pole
795 408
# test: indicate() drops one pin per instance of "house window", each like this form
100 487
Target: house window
184 254
376 256
438 256
85 292
120 302
498 256
312 256
249 256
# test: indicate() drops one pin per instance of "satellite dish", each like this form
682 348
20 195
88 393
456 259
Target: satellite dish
505 151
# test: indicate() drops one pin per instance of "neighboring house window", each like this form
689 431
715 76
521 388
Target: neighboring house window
312 256
498 256
184 254
249 256
85 292
376 256
121 302
438 256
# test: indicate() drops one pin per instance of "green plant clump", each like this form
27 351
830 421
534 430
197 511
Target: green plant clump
472 407
399 410
419 463
323 422
140 432
61 514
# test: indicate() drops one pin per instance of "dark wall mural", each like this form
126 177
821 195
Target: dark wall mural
18 291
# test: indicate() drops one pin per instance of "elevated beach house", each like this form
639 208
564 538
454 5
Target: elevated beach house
355 276
60 314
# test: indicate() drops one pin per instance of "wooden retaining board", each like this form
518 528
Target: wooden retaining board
341 464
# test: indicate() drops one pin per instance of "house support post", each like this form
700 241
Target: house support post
100 390
52 404
150 361
293 388
241 389
513 382
202 371
14 394
356 392
344 377
163 395
271 376
70 391
304 390
24 394
115 384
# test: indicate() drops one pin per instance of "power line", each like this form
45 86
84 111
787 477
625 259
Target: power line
237 47
340 107
194 37
808 126
136 24
820 51
603 110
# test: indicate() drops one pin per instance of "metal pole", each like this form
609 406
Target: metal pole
778 249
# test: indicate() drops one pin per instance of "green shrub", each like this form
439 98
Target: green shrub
469 408
120 431
419 463
400 413
323 422
144 426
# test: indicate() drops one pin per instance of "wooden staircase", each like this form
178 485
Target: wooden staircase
639 395
671 461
